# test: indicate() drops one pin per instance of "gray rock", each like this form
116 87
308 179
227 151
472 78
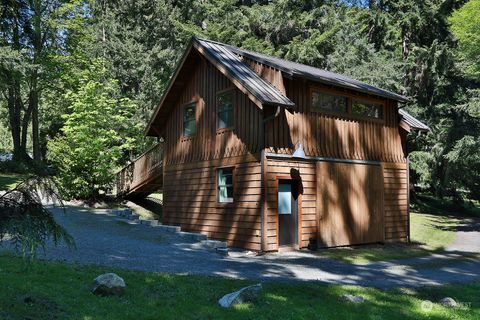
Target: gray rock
353 299
247 294
108 284
448 302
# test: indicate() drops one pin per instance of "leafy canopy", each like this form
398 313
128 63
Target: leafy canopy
97 131
465 25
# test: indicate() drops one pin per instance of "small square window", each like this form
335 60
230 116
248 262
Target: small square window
328 102
225 110
225 185
367 109
189 120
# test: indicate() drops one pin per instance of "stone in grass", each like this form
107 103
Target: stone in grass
247 294
353 299
448 302
108 284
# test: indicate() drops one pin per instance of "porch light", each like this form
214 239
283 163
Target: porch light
299 153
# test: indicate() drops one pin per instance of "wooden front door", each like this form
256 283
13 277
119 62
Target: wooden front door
287 213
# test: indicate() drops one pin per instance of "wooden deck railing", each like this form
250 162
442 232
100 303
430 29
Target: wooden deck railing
141 170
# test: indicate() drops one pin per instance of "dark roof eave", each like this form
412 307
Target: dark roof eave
387 95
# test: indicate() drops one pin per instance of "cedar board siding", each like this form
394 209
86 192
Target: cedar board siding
191 163
190 201
341 203
334 135
208 143
349 204
281 169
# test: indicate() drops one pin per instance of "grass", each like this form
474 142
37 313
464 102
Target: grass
52 290
10 180
432 225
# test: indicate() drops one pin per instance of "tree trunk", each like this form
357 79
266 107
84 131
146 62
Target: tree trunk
33 97
37 155
406 39
14 119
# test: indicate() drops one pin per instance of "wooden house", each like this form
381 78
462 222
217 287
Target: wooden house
266 153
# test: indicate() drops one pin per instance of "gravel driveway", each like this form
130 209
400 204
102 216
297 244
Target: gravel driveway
105 239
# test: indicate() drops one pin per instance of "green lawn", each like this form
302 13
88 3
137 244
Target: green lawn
60 291
10 180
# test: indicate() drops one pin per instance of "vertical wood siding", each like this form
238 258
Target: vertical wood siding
349 204
334 136
208 143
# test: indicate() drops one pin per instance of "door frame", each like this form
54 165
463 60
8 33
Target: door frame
299 210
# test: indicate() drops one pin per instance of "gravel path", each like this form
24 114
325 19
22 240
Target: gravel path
467 236
107 240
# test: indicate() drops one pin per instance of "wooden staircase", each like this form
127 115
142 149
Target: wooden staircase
142 176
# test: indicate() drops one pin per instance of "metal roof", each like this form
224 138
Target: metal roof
261 89
412 121
301 70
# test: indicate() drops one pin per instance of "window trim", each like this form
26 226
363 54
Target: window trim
350 97
217 186
184 108
230 89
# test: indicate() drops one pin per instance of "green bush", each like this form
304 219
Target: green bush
97 132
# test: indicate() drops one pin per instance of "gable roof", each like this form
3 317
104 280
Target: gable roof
261 89
291 68
411 121
228 60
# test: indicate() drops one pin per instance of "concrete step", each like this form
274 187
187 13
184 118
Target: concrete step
214 244
168 228
192 236
152 223
222 251
122 212
133 217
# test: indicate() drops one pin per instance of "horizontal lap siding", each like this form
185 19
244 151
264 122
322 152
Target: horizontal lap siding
190 201
396 201
283 168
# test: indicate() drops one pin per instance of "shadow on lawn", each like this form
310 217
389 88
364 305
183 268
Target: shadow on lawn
101 241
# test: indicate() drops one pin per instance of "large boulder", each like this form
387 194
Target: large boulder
247 294
108 284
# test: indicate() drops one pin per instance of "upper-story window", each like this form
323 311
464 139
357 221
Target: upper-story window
189 120
322 101
345 104
225 109
367 109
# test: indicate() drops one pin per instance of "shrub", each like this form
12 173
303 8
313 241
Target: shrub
97 132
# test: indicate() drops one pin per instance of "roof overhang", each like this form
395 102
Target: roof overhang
409 122
260 91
